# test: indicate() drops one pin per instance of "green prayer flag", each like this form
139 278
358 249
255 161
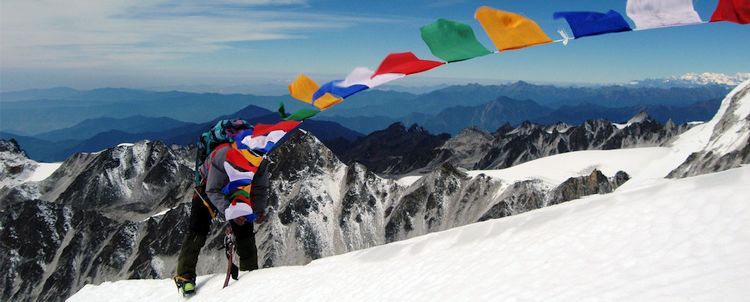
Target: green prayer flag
238 193
302 114
452 41
282 110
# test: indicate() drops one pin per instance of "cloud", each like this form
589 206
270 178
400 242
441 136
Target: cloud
80 33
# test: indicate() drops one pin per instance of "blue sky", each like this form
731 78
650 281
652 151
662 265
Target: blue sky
160 43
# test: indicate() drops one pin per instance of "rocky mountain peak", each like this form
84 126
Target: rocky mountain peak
728 144
414 128
130 177
640 118
395 150
11 146
502 130
396 127
15 166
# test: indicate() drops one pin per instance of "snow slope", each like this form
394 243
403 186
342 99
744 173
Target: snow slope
43 170
673 240
652 239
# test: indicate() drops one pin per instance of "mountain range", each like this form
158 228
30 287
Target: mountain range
398 150
33 112
98 134
121 213
491 115
55 123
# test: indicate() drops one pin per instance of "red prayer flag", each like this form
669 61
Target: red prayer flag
737 11
264 129
240 198
404 63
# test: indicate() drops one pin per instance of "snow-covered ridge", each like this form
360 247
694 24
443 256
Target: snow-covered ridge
625 246
696 79
715 78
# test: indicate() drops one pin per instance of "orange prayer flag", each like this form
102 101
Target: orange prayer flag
326 101
509 30
303 88
247 189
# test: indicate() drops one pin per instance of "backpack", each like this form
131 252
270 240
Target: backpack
221 133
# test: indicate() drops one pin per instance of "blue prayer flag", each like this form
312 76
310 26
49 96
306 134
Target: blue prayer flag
334 88
231 186
593 23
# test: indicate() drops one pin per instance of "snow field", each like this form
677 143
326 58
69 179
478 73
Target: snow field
674 240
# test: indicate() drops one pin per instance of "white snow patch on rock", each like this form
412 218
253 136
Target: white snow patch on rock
43 170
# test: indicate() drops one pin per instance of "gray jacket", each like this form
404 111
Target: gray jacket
217 178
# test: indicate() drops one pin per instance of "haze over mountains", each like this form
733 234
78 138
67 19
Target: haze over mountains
52 124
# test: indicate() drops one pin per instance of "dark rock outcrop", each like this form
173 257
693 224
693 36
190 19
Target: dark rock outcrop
594 183
395 150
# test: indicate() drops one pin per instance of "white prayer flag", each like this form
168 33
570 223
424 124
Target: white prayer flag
662 13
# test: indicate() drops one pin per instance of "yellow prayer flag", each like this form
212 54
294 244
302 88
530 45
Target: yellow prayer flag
326 101
303 88
252 158
247 188
508 30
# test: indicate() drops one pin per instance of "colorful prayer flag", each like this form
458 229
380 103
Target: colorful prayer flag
235 158
737 11
263 129
662 13
509 30
452 41
339 91
367 77
326 101
405 63
235 174
265 137
302 114
594 23
303 88
238 207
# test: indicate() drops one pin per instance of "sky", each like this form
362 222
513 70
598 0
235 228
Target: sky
195 43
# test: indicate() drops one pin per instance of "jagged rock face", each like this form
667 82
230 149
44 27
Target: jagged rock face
530 141
577 187
729 144
85 231
322 207
124 179
55 249
468 147
15 166
11 146
396 149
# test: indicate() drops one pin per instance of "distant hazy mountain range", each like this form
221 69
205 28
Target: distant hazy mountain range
489 116
58 145
54 123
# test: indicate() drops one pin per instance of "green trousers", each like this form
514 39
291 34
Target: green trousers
195 238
